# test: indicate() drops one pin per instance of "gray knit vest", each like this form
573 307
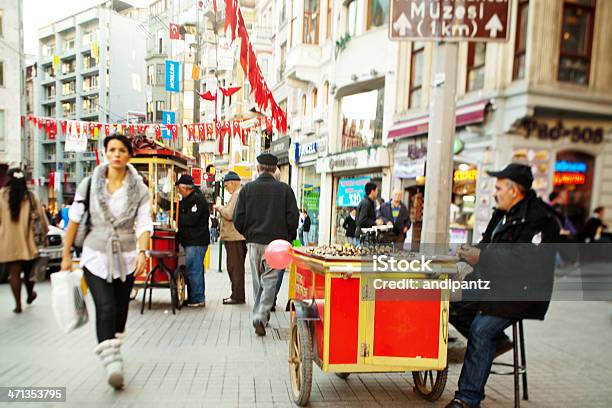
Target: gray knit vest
98 236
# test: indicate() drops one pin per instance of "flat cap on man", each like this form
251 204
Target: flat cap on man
267 159
519 173
231 176
185 180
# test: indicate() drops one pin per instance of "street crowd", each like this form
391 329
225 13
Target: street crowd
110 221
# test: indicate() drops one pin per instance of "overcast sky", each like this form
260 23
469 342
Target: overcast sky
39 13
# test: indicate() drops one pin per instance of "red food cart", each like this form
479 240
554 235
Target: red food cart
160 167
343 320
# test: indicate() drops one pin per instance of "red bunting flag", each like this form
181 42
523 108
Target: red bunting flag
173 128
201 131
237 131
210 132
157 129
131 127
229 91
63 124
107 130
53 130
208 96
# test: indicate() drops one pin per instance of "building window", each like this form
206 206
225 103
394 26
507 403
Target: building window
50 111
415 91
68 108
68 88
326 94
68 67
311 22
476 66
149 111
362 118
160 74
520 47
90 105
90 83
314 95
161 46
2 131
283 57
1 23
150 74
159 110
48 50
353 16
69 44
328 30
576 41
1 73
90 62
49 91
283 11
378 13
304 105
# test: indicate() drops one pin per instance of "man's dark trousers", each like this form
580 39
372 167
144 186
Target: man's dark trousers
236 254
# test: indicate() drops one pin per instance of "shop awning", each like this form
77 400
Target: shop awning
465 115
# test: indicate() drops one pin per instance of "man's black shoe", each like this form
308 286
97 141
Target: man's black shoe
503 346
457 403
230 301
260 329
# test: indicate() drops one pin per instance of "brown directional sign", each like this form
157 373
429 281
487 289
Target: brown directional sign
449 20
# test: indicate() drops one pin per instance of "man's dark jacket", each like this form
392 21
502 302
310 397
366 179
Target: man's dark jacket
266 210
402 221
193 220
519 260
349 225
366 215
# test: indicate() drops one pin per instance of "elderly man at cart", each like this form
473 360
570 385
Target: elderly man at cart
266 210
516 256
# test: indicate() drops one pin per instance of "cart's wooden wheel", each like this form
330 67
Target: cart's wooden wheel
344 376
300 361
430 384
179 281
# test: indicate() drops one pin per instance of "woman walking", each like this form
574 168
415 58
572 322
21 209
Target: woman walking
114 250
19 249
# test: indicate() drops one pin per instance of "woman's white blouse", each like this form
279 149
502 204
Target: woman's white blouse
96 261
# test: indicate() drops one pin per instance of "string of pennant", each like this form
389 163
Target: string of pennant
195 132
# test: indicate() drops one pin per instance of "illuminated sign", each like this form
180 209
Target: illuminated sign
573 167
465 175
571 178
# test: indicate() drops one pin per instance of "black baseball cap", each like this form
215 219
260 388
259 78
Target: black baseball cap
185 180
519 173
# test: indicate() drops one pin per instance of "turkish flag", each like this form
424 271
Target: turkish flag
47 127
175 31
236 129
92 126
131 129
201 130
157 129
53 130
107 130
63 124
40 123
173 128
191 130
210 132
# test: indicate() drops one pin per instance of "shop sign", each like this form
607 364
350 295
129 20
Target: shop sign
351 191
361 159
343 162
531 127
566 178
196 173
280 148
298 151
405 168
566 166
465 175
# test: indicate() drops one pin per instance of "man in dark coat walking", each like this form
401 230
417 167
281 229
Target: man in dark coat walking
366 210
517 256
266 210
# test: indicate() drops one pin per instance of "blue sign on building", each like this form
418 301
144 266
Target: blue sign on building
167 118
351 191
172 76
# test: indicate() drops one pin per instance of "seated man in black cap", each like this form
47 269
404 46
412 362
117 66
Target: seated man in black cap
266 210
194 236
520 271
235 244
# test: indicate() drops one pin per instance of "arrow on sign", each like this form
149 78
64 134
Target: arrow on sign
402 25
494 26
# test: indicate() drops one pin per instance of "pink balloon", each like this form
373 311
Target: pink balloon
278 254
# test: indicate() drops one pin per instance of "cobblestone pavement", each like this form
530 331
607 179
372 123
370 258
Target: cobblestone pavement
211 357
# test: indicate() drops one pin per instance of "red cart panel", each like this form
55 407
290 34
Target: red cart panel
344 321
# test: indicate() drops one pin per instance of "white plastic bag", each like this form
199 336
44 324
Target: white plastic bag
68 301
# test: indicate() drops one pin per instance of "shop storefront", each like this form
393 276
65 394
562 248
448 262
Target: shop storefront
280 148
304 157
350 172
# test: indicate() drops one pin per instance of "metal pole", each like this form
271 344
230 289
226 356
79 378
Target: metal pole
438 176
221 242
